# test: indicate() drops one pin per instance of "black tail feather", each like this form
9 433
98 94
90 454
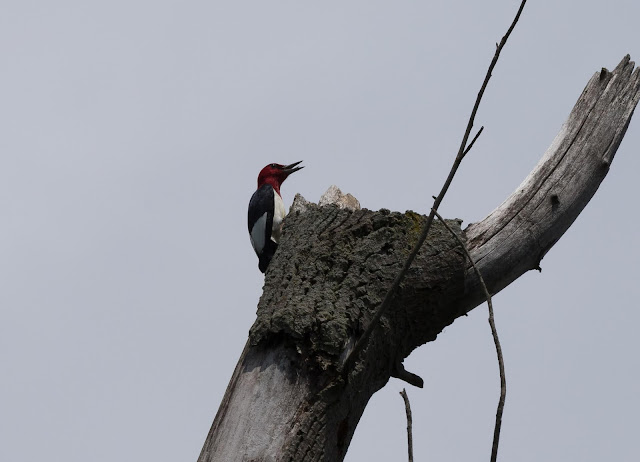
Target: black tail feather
266 255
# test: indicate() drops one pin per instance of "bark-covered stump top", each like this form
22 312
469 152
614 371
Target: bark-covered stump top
332 270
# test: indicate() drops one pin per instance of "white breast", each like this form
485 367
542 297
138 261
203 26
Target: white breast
279 213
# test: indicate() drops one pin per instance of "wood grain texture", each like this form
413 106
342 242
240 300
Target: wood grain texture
287 399
516 236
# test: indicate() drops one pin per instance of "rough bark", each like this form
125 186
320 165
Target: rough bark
287 399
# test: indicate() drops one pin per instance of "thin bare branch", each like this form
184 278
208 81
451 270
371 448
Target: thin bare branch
473 141
364 338
496 341
407 408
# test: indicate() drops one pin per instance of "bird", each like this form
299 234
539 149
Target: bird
266 211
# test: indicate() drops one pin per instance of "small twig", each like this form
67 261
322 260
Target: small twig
407 408
473 141
364 338
496 341
399 372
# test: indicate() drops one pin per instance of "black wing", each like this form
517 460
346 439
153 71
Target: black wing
261 202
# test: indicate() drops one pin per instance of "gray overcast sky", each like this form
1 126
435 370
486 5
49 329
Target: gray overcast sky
132 134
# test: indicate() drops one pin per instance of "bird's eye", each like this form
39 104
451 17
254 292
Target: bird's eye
273 166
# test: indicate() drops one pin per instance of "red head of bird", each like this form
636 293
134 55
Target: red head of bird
275 174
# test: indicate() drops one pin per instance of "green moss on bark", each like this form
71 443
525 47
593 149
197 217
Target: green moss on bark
333 268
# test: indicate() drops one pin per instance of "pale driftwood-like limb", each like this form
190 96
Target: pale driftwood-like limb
287 400
515 237
407 408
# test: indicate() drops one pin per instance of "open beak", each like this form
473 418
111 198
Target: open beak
289 169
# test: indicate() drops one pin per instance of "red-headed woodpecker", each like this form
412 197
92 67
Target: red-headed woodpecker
266 211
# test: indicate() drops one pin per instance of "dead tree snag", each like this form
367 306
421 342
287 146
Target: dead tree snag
286 400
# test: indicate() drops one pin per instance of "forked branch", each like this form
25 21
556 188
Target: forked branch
462 151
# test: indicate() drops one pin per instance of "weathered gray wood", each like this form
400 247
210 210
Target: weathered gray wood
287 399
516 235
261 373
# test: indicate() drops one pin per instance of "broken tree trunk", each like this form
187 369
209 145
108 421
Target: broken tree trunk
288 398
